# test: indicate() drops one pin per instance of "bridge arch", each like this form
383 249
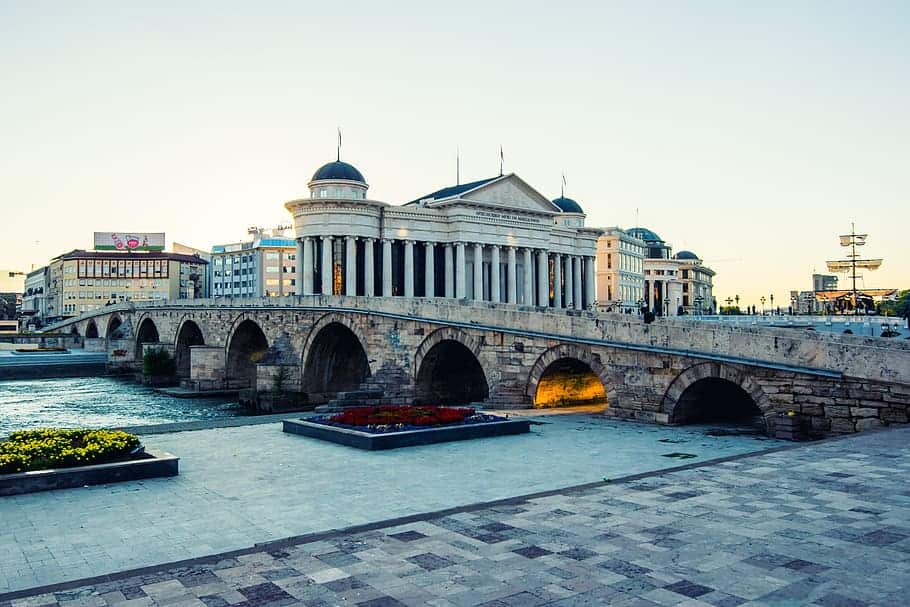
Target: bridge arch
714 392
91 329
146 334
569 375
246 345
334 357
188 334
447 369
114 322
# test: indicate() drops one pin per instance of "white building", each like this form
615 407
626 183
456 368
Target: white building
697 284
34 298
265 266
663 287
620 271
495 239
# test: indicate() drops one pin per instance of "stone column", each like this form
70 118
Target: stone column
307 263
576 282
511 277
459 270
299 277
570 292
543 280
478 271
450 279
409 268
529 278
429 272
327 266
350 266
386 267
590 289
369 280
557 281
494 274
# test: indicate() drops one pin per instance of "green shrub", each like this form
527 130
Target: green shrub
158 362
280 380
52 448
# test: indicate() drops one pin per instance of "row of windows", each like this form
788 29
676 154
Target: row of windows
338 192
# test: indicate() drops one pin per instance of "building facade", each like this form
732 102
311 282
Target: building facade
495 239
80 281
34 298
697 284
263 267
620 271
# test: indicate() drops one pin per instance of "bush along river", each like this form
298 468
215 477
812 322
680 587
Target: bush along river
99 402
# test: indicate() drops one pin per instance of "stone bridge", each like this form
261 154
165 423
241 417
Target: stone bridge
335 349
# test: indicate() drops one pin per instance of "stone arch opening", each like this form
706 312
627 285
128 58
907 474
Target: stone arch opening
91 330
716 400
247 347
113 326
335 362
147 334
569 382
450 374
189 335
74 330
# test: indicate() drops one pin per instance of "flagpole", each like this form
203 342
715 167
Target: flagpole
339 144
457 166
501 159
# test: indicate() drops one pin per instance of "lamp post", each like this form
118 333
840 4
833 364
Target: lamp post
772 303
737 301
762 300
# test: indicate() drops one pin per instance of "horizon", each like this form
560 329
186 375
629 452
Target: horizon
752 136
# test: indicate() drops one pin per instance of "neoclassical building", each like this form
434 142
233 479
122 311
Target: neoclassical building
496 240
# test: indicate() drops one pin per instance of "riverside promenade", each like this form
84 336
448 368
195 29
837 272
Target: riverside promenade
824 524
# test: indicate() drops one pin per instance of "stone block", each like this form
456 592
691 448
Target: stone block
863 412
835 411
811 409
894 415
842 425
868 424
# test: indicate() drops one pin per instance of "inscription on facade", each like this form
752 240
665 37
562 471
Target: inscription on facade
507 217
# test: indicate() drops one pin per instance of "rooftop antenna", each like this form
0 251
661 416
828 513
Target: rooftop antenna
501 160
637 225
562 189
457 166
339 144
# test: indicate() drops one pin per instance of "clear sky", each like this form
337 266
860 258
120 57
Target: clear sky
749 132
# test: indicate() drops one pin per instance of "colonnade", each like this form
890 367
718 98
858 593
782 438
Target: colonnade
558 280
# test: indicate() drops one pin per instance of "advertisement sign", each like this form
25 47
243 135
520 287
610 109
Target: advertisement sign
129 241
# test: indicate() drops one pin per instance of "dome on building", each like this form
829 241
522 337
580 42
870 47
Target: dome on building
567 205
338 171
686 255
644 234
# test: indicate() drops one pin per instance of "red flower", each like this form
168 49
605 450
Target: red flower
402 414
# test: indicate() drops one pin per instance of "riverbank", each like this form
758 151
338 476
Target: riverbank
51 364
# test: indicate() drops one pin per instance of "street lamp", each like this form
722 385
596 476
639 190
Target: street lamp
737 302
762 300
772 303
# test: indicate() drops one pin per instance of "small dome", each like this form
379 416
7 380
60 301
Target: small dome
567 205
686 255
644 234
338 171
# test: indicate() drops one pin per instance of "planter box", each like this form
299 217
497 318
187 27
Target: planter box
406 438
155 464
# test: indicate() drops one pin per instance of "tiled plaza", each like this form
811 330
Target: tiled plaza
824 524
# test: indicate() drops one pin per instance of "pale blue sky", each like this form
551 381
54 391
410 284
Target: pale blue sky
750 133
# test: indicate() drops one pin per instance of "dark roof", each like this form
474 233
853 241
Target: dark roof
567 205
338 170
686 255
454 190
80 254
644 234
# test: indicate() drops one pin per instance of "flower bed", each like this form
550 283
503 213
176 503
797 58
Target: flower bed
48 448
41 460
402 417
389 427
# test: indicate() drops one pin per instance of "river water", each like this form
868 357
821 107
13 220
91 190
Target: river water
99 402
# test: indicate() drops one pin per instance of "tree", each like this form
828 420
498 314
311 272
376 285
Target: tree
899 307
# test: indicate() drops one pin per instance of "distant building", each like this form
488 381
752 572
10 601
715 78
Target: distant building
81 281
34 298
619 270
824 282
265 266
697 284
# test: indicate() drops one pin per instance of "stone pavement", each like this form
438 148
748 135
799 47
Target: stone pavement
244 485
825 524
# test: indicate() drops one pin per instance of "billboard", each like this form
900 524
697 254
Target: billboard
129 241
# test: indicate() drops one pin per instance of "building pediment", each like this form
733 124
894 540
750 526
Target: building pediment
506 192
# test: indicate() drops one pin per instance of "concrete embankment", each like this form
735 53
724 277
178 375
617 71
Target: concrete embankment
39 365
